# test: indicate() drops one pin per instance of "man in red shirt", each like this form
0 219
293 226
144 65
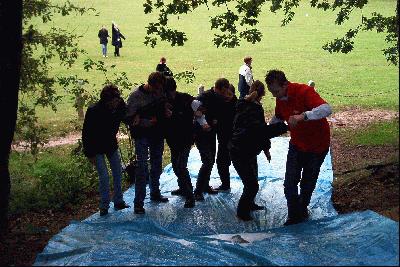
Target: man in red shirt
305 112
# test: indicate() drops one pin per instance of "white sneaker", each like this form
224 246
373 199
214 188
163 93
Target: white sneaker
104 56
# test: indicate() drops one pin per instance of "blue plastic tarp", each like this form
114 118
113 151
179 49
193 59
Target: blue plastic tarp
210 233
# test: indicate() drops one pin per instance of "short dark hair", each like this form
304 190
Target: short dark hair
221 83
275 76
170 84
109 92
155 78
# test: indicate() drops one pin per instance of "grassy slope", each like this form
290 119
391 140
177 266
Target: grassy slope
296 49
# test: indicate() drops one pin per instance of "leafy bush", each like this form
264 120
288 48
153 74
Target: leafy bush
60 177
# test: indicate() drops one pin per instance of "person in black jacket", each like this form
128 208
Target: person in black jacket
116 39
250 136
178 131
213 104
103 36
163 68
99 132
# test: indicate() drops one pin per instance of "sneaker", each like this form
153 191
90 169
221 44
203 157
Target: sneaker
104 56
244 216
103 212
223 188
139 210
189 203
198 197
211 191
121 206
177 192
254 206
159 198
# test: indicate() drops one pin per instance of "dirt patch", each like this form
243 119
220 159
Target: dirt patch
356 117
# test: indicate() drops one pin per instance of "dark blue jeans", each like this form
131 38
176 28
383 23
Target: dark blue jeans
303 168
144 146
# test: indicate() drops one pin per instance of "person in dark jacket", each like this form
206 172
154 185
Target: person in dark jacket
116 39
250 136
103 36
163 68
212 101
146 110
99 132
178 131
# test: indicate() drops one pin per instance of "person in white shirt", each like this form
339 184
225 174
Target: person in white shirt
245 77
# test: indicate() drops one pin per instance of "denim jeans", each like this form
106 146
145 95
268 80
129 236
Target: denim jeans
144 145
303 168
104 188
104 49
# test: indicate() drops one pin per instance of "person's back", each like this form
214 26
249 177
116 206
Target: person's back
103 35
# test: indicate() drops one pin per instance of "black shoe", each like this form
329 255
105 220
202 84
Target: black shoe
159 198
139 209
198 197
103 212
223 188
189 203
291 221
121 206
177 192
254 206
244 216
209 190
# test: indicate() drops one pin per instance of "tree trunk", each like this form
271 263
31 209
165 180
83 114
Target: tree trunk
11 32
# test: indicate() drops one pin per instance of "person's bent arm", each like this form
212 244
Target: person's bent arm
318 113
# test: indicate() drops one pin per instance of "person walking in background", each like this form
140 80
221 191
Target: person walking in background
103 36
163 68
116 39
146 110
250 136
245 77
99 132
305 112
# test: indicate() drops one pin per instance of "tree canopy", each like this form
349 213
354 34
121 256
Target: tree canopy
240 22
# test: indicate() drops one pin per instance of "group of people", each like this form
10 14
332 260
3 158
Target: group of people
156 111
116 39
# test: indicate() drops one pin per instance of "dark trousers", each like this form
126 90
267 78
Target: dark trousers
247 169
303 168
144 146
223 161
116 50
205 143
179 159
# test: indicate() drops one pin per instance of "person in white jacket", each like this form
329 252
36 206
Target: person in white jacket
245 77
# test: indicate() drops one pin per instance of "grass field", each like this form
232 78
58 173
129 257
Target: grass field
296 49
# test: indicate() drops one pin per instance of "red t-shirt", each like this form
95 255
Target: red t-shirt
308 136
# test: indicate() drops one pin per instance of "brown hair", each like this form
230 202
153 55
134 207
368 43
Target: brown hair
257 89
221 83
247 59
155 78
109 92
